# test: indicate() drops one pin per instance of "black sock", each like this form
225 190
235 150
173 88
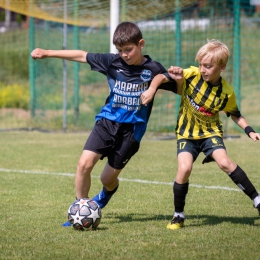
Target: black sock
179 194
239 177
110 192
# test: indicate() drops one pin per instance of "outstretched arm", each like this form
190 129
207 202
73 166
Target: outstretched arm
72 55
148 95
241 121
176 73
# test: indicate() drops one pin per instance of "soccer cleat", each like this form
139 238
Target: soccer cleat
176 223
102 199
66 224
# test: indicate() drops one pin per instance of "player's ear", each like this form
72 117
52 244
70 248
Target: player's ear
222 68
142 43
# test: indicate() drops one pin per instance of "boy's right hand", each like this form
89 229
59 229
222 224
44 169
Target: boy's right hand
176 73
38 53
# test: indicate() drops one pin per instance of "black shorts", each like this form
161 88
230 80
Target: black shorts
113 140
195 147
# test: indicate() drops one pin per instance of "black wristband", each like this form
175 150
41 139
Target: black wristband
248 130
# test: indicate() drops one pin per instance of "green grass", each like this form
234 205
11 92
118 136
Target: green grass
35 194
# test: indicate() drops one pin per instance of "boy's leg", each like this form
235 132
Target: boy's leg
109 179
99 144
85 165
126 146
237 175
179 194
83 179
180 189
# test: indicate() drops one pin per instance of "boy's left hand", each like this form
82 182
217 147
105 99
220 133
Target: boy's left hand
254 136
147 96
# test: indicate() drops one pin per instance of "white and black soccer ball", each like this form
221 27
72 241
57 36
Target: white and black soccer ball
84 214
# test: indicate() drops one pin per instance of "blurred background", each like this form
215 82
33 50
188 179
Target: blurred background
53 95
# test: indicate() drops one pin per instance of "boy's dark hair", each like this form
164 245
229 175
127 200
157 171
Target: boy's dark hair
127 32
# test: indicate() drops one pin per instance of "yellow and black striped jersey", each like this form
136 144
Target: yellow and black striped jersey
200 105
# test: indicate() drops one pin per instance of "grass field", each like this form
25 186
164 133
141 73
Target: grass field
37 187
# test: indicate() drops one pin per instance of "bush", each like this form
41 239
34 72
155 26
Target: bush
14 96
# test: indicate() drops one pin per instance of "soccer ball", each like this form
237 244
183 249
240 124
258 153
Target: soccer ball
84 214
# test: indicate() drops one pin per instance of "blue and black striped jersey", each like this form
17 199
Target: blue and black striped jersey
126 84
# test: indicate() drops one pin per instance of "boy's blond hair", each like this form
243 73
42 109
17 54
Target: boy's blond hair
216 50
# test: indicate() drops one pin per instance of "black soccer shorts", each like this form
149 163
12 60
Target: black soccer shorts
195 147
113 140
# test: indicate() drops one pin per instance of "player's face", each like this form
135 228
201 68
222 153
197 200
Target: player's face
210 70
131 53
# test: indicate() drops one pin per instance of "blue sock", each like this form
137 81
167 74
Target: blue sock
104 196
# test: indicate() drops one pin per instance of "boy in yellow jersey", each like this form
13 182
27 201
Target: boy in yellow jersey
199 129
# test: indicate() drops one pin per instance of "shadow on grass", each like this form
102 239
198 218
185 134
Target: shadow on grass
195 220
212 220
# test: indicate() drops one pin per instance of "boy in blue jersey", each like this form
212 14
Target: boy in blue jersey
204 93
122 121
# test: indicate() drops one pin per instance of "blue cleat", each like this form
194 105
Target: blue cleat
66 224
102 199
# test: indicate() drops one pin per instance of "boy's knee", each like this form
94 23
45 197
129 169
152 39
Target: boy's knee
84 165
225 164
183 174
184 169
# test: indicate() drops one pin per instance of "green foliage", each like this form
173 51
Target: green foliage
14 57
37 187
14 65
2 16
14 96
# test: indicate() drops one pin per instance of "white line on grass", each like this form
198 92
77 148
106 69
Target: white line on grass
121 179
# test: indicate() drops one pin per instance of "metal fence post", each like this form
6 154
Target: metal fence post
236 52
32 68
